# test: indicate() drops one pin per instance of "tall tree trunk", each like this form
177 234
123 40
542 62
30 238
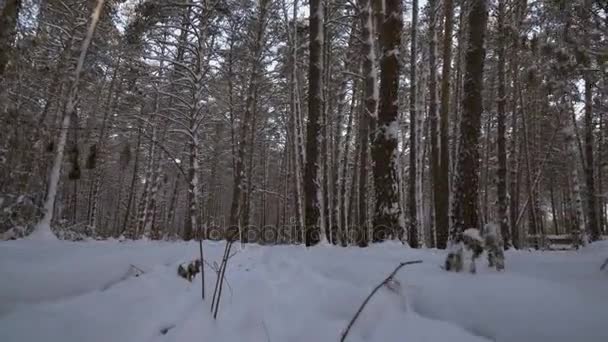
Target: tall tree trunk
344 212
388 218
337 153
465 210
442 185
133 182
554 215
313 129
592 222
412 229
296 137
437 195
578 230
237 205
501 171
246 206
369 113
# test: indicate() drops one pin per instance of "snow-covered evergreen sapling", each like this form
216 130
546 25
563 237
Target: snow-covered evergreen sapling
494 246
471 246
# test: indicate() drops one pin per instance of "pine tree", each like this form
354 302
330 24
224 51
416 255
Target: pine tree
466 207
388 219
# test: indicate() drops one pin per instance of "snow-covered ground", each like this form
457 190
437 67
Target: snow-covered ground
73 292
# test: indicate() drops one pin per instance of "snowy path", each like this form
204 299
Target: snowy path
72 292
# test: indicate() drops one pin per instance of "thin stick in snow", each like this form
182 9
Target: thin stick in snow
384 282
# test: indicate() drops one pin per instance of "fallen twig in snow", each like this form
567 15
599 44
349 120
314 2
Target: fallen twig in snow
604 265
165 330
388 280
138 269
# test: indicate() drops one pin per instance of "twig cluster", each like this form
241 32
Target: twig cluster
219 282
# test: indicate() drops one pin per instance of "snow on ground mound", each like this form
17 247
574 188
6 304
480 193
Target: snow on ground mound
72 292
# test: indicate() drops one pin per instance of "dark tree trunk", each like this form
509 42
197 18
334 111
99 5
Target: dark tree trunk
501 172
388 218
442 182
133 182
465 209
312 208
412 229
592 221
369 113
435 149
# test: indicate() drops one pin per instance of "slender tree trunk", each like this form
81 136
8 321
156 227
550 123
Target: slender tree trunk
441 183
344 212
437 195
554 215
412 230
501 171
578 229
133 182
592 222
368 114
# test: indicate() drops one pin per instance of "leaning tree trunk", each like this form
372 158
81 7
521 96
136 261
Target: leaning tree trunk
43 227
388 218
312 208
466 206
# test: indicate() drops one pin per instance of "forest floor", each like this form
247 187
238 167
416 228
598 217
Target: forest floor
87 291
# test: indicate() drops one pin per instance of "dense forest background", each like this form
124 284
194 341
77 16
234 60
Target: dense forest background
365 121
